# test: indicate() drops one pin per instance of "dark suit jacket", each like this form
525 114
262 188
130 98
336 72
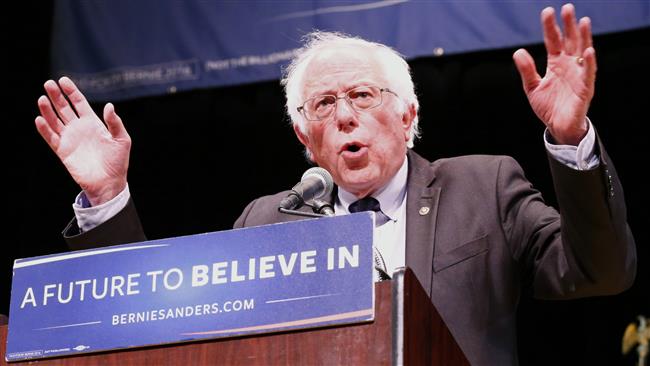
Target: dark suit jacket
488 239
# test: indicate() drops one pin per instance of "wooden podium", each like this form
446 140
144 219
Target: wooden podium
407 331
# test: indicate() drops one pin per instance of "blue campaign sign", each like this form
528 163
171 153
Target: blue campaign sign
284 276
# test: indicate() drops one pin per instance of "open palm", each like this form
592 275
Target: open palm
95 155
561 99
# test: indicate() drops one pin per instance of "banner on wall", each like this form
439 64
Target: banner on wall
124 49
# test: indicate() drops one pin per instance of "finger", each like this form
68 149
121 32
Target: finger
47 133
114 122
585 33
590 66
76 97
61 105
49 115
526 67
571 39
552 35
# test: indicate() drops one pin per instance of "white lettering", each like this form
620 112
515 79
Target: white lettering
178 272
346 256
131 283
82 288
29 298
103 294
199 275
330 259
234 277
154 279
47 293
219 272
70 290
116 285
251 269
287 268
266 267
307 261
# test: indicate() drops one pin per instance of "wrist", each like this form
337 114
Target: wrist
570 136
104 194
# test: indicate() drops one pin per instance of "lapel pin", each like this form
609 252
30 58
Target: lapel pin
424 210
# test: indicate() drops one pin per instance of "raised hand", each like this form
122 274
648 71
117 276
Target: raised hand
561 99
96 157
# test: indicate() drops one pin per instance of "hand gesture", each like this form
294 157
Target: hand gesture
96 157
561 99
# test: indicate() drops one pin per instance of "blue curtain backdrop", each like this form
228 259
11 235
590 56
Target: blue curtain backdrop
122 49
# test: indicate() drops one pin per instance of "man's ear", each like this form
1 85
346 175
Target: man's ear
407 119
304 140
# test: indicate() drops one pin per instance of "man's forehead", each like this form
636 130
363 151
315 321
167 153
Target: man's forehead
342 67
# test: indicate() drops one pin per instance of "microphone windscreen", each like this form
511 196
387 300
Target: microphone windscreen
322 174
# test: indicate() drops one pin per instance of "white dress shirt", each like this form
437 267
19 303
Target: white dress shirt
390 223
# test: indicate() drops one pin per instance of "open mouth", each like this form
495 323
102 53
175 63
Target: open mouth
353 148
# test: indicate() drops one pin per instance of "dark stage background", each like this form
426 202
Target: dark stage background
198 157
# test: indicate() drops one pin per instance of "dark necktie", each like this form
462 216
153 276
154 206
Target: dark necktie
365 204
371 204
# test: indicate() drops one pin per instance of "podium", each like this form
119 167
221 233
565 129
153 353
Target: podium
407 331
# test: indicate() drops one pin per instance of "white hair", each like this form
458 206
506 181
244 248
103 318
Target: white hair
396 72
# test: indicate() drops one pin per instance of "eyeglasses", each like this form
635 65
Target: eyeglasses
360 99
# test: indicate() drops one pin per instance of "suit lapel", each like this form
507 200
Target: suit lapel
421 213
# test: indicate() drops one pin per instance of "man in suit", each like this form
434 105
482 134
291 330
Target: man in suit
474 231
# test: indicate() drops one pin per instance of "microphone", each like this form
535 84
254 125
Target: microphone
322 207
315 183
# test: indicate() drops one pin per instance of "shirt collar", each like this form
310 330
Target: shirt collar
390 196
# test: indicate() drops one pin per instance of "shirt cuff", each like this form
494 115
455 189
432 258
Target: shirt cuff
89 217
581 157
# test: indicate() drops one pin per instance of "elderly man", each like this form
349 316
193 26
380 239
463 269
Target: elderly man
474 231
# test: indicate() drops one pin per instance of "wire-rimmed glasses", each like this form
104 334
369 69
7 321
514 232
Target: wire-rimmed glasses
360 98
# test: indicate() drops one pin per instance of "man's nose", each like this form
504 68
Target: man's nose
344 115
